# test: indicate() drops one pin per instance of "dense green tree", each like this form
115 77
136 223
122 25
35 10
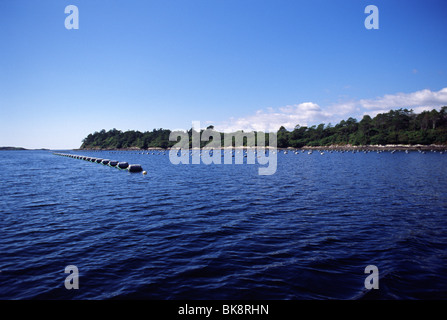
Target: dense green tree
400 126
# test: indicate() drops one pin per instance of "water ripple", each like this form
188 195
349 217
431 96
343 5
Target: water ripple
223 232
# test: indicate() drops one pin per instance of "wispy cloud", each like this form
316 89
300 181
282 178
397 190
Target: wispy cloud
418 101
415 99
309 113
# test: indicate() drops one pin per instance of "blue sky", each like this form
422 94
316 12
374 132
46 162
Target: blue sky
237 64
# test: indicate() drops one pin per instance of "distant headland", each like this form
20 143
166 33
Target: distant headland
396 129
11 148
18 149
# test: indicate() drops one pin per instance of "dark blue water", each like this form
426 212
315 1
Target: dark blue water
223 231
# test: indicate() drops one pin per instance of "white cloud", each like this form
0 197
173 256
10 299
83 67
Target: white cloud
272 119
309 113
422 98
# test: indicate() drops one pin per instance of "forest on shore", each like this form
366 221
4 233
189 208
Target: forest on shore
400 126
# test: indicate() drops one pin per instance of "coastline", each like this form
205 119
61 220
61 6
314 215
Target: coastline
389 147
21 149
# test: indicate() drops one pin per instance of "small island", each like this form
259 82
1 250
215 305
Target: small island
396 129
11 148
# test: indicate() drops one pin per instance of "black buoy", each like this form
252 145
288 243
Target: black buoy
123 165
135 168
113 163
105 161
98 160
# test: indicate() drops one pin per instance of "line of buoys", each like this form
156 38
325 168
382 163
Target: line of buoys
111 163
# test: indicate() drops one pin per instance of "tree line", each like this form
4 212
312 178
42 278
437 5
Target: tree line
400 126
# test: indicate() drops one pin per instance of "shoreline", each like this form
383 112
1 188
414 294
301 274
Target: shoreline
21 149
389 147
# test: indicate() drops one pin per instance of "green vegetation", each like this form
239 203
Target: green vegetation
401 126
11 148
116 139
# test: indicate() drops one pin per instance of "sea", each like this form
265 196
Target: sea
338 225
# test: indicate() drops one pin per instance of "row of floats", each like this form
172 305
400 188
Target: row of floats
133 168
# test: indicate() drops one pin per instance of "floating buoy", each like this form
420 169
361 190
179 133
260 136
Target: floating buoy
144 172
134 168
123 165
105 161
113 163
